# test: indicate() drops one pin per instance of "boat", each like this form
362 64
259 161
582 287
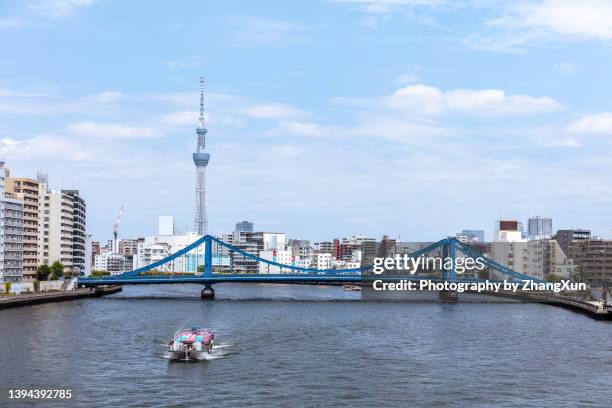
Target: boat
188 344
351 288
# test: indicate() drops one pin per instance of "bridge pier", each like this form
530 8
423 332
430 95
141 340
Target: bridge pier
208 293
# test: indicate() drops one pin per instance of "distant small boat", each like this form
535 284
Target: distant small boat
352 288
191 343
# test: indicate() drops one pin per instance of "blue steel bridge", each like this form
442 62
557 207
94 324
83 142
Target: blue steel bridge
449 247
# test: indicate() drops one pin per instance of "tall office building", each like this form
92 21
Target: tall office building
26 190
200 159
244 226
539 227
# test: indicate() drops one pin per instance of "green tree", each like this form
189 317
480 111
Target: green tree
578 274
57 270
551 277
43 272
200 268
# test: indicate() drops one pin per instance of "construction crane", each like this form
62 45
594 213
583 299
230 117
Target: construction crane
116 230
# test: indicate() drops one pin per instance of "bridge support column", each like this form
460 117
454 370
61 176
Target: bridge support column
208 293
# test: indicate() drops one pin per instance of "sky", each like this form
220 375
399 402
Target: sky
326 118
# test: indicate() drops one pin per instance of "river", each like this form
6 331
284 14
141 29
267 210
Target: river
283 345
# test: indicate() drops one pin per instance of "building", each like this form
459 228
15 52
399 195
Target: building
200 159
539 227
284 257
471 236
508 231
110 262
78 231
545 257
324 247
386 247
244 226
61 234
322 261
165 225
593 260
253 243
26 190
565 237
89 258
11 232
299 247
511 254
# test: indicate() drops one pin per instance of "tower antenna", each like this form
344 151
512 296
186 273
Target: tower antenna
200 159
202 82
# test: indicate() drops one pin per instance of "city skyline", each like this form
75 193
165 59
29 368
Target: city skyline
314 138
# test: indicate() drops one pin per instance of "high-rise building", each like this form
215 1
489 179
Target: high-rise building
61 233
11 230
244 226
78 231
26 190
200 159
539 227
165 225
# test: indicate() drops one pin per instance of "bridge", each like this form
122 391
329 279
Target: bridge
208 274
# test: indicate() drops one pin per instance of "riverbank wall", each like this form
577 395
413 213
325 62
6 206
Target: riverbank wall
27 299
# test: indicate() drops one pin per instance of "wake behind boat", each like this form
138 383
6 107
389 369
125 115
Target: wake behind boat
188 344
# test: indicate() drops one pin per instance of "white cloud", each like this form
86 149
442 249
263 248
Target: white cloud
286 151
111 130
407 78
565 142
298 129
388 6
528 22
259 31
597 123
10 22
61 8
274 111
567 66
48 147
108 96
426 100
193 61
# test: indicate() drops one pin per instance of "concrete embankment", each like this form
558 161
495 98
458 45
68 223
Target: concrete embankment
55 296
595 309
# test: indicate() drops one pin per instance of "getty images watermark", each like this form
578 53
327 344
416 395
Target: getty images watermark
461 265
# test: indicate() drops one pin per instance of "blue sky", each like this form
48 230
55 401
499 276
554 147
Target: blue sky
326 118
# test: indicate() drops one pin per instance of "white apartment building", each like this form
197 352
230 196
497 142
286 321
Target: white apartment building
109 262
322 261
153 251
62 228
284 257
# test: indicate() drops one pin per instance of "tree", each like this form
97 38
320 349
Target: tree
57 270
551 277
200 268
43 272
